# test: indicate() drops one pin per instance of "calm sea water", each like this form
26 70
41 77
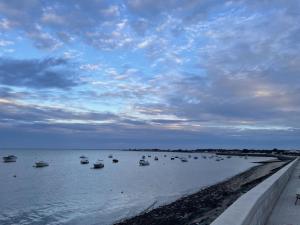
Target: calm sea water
67 192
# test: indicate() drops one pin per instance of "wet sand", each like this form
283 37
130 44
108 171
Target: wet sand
203 207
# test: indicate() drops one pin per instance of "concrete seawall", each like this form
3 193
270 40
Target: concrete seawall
254 207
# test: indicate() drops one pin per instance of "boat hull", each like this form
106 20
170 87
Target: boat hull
98 166
41 164
9 160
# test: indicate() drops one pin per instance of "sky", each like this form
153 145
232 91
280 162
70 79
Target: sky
150 74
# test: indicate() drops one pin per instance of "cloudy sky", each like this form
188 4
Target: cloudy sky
150 73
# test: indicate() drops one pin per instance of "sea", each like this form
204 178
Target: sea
67 192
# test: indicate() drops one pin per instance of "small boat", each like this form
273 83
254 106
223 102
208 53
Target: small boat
183 159
176 157
98 164
41 164
165 155
228 157
84 161
155 158
190 156
172 158
196 157
149 156
110 156
143 157
204 157
10 158
115 161
82 157
143 162
217 160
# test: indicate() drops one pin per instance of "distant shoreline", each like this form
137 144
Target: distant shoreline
205 205
280 154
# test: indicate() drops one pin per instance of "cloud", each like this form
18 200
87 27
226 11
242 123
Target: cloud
18 113
38 74
4 43
170 72
51 23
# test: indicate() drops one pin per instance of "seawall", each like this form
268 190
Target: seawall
255 206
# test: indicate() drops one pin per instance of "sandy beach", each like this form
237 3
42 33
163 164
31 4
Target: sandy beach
203 207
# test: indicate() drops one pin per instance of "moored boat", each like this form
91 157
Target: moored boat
155 158
183 159
98 164
115 160
110 156
84 161
10 158
143 162
41 164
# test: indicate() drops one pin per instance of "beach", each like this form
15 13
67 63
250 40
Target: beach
202 207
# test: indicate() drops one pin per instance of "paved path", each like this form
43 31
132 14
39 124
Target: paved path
285 211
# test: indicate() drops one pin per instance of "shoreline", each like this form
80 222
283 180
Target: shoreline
204 206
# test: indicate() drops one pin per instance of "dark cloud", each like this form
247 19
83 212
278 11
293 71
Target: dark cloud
19 114
38 74
105 136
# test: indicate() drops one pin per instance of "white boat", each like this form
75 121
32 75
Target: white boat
82 157
98 164
84 161
183 159
144 162
41 164
143 157
10 158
